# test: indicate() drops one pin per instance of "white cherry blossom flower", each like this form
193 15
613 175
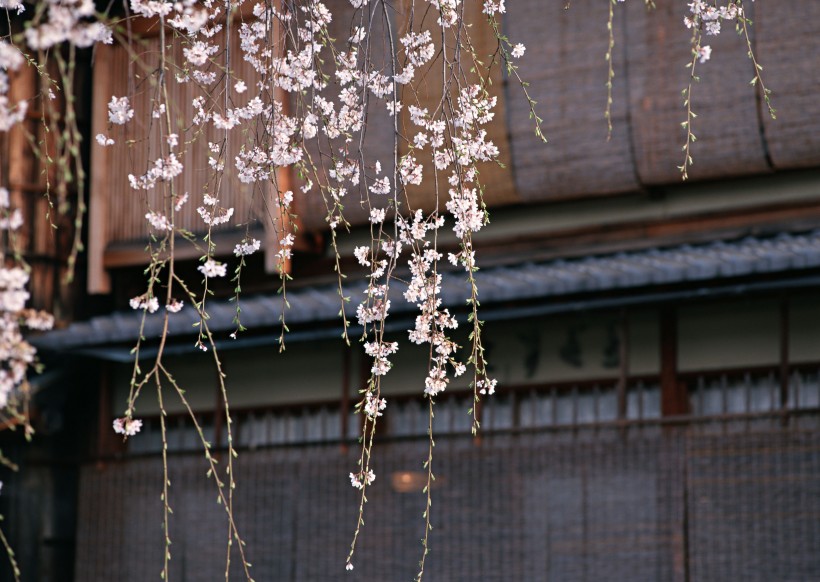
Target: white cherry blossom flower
119 110
127 426
245 247
212 268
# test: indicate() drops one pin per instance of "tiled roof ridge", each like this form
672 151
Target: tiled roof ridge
719 259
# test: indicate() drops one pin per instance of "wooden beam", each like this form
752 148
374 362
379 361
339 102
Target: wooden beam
639 234
344 407
623 360
784 354
674 398
108 443
98 280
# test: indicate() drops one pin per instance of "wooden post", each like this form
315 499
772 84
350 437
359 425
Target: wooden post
784 354
219 411
674 401
344 404
277 221
108 443
673 393
98 280
623 361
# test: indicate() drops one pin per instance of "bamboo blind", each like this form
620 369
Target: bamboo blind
725 500
425 92
128 207
118 211
566 71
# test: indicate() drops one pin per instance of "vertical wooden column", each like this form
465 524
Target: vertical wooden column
344 402
278 223
219 411
784 354
623 361
108 442
23 179
674 399
672 461
98 280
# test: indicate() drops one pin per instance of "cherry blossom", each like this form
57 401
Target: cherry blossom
119 110
212 268
303 109
127 426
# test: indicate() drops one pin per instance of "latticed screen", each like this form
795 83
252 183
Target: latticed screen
722 500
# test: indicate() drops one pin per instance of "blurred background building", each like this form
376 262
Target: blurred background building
656 343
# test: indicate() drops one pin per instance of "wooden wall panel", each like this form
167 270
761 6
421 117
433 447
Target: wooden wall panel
34 190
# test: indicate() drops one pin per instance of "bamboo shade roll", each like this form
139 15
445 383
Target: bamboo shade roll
727 125
565 67
566 70
377 142
427 90
787 43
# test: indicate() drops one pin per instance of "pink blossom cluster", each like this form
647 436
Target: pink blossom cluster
68 21
708 18
362 479
16 354
247 247
212 268
145 303
374 405
127 426
11 59
211 213
164 170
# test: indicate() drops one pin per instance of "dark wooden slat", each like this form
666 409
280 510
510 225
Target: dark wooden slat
673 391
784 354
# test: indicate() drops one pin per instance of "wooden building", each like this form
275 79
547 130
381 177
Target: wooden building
655 343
